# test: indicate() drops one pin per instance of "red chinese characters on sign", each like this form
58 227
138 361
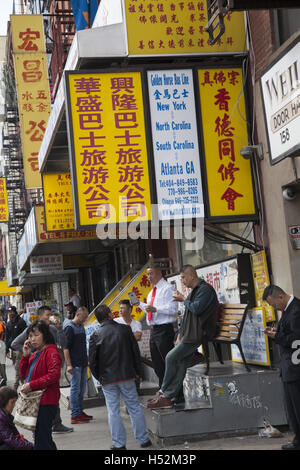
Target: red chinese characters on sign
28 38
107 118
130 171
32 88
224 130
4 216
213 278
93 158
58 203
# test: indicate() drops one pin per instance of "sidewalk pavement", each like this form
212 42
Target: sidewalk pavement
95 434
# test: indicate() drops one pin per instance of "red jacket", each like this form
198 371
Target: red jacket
46 374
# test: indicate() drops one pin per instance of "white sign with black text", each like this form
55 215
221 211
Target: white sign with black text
281 97
175 144
46 263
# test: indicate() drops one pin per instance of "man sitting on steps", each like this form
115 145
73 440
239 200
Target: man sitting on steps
199 321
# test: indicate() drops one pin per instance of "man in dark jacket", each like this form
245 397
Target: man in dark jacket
287 336
114 360
199 319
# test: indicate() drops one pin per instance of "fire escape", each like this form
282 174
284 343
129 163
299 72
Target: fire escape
13 172
60 32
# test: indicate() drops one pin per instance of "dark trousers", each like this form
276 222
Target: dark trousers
161 342
43 431
292 397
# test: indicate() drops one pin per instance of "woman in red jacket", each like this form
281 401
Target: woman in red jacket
41 371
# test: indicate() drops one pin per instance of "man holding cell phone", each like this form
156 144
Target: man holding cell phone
287 336
161 314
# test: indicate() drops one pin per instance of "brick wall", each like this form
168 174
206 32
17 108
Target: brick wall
263 38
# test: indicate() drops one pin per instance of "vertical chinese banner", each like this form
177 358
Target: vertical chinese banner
33 92
107 138
261 280
4 214
167 27
224 124
58 201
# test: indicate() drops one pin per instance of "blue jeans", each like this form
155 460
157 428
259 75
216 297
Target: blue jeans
127 390
78 384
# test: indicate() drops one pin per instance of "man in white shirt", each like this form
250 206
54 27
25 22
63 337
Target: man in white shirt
161 313
126 319
74 298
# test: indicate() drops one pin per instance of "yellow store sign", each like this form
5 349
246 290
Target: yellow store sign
58 201
224 123
33 91
109 165
4 214
43 236
261 280
178 27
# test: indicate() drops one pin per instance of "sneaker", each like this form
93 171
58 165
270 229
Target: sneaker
158 394
86 416
291 446
61 429
117 448
79 419
160 402
146 444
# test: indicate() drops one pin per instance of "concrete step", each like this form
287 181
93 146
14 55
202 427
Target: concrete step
228 400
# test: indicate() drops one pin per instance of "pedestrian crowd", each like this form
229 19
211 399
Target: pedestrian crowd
43 350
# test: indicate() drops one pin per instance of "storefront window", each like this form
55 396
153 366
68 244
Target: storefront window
216 250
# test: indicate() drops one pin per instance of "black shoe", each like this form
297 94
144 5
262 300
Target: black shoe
197 358
146 444
61 429
117 448
179 400
291 446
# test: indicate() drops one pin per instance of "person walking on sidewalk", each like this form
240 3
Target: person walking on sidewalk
115 361
43 314
199 321
40 368
77 362
287 336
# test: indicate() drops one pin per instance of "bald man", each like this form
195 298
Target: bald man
200 318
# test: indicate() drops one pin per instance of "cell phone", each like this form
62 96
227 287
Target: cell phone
133 298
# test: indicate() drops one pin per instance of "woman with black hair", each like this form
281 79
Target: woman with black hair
10 438
41 371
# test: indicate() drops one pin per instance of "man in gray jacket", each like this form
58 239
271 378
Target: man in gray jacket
44 313
199 321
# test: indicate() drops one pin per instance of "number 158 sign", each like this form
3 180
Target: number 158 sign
280 85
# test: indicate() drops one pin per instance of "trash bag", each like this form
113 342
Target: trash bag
269 431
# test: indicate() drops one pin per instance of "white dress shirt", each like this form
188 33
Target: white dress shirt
134 325
289 302
166 307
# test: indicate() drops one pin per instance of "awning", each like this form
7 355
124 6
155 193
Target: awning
5 290
29 279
